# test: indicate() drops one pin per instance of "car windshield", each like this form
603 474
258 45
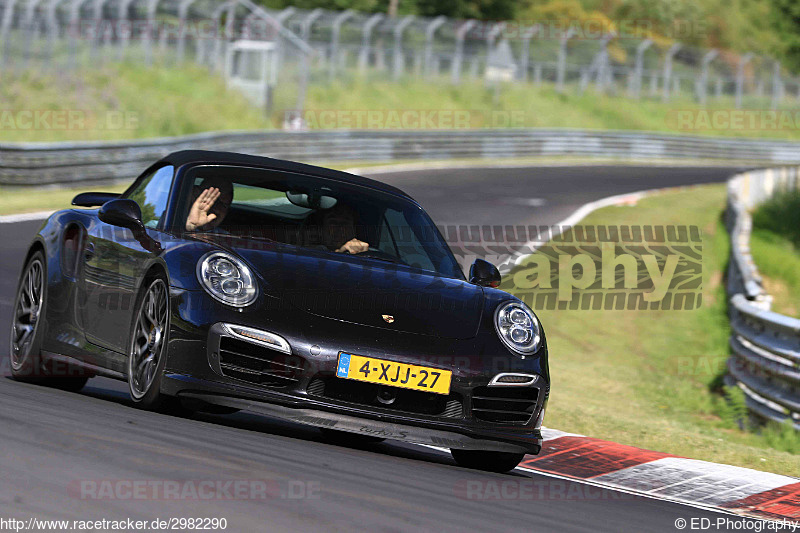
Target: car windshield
314 213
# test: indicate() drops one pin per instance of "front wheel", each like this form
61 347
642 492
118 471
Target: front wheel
484 460
148 345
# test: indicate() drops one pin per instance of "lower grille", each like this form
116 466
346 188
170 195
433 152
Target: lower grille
506 405
258 364
408 401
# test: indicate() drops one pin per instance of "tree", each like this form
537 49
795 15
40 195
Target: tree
786 21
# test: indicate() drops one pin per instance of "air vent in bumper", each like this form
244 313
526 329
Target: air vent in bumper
258 364
504 405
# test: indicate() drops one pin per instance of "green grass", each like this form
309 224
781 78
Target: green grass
775 245
652 378
128 100
19 200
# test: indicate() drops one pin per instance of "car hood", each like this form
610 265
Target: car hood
364 291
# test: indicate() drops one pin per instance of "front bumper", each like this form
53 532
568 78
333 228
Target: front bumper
195 371
352 419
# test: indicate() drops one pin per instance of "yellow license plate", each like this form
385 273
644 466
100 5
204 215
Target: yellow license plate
393 374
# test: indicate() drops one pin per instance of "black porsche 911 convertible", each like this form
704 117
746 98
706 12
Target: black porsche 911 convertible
226 282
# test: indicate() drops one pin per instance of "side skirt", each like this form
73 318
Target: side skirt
72 367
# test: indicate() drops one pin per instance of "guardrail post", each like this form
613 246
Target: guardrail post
740 78
635 85
216 56
366 41
28 26
668 70
147 36
777 85
333 61
277 59
702 82
458 55
305 35
307 23
603 69
398 46
561 71
5 27
126 32
74 29
430 31
524 61
183 11
98 19
53 28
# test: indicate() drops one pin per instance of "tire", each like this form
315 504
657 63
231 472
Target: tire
147 350
27 333
345 437
484 460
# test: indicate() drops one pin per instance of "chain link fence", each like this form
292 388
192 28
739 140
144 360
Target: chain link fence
316 46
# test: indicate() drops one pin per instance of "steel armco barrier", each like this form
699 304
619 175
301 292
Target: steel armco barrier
63 163
765 360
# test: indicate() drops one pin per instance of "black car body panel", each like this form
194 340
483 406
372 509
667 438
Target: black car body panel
323 304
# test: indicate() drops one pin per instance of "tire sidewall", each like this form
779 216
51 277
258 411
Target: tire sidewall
153 398
31 368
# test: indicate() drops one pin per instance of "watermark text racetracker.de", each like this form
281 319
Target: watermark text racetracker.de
405 119
527 489
67 120
752 120
193 490
123 524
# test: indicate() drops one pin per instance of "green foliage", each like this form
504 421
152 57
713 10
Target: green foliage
782 436
369 6
775 245
780 215
467 9
733 408
786 22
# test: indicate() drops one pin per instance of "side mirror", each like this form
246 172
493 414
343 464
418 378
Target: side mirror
122 212
93 199
484 273
126 213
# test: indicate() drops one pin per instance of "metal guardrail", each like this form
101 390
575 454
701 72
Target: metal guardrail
765 362
63 163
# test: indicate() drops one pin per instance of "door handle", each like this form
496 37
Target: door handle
88 253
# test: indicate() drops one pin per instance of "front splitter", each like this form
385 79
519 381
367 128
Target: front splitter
361 426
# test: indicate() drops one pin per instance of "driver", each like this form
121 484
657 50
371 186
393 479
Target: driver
335 228
211 200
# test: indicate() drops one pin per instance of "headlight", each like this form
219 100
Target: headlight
518 327
227 279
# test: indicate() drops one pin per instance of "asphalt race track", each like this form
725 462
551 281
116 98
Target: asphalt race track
54 444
